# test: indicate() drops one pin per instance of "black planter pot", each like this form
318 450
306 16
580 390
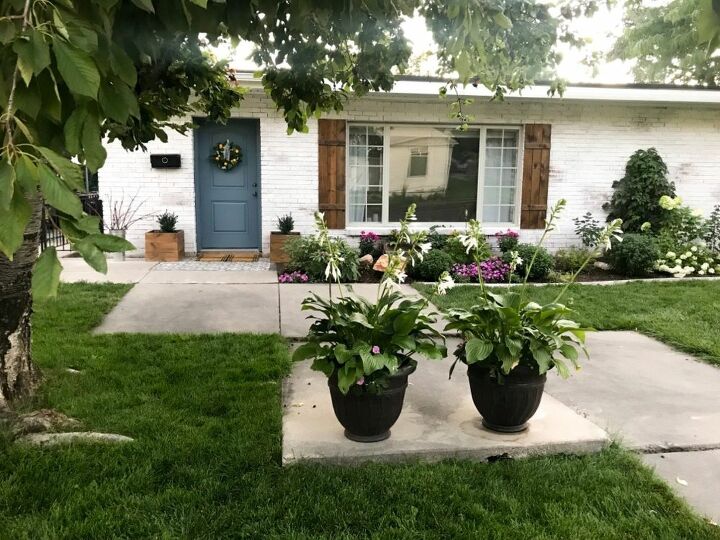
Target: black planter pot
368 416
506 407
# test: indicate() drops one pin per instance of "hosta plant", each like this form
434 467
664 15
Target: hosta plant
363 342
503 331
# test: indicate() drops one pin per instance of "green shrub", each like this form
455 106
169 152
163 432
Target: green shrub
588 229
637 194
306 255
167 222
712 230
458 252
541 267
286 224
433 264
571 259
635 255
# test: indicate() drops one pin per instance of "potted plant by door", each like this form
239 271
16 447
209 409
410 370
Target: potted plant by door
278 238
166 244
509 342
367 349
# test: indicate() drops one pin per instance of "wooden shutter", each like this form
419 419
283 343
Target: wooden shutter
331 171
536 176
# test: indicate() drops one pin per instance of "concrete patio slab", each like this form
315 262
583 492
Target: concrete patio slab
76 270
648 395
695 476
439 421
195 308
209 277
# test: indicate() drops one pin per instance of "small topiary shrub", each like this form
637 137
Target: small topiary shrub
286 224
541 267
167 222
507 241
309 257
635 255
370 244
434 263
570 260
637 194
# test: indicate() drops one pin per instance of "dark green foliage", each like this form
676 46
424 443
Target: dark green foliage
588 229
434 263
637 194
437 239
458 253
350 337
306 255
712 229
635 255
167 222
207 418
542 266
571 259
286 224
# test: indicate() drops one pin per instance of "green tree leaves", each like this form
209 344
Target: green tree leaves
13 223
46 275
57 194
7 185
77 69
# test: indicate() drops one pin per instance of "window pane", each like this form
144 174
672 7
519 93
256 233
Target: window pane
365 174
500 175
436 168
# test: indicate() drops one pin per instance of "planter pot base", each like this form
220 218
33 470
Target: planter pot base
367 438
505 429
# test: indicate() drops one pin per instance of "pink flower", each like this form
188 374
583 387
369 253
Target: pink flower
360 381
375 349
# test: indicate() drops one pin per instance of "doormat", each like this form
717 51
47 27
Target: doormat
229 256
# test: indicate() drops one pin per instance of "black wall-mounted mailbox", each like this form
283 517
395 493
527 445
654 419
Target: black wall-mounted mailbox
165 161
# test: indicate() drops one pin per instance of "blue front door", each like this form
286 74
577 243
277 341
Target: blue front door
228 207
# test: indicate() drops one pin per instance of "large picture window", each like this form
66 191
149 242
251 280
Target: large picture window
452 175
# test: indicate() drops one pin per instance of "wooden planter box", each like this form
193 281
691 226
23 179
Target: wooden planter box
277 246
160 246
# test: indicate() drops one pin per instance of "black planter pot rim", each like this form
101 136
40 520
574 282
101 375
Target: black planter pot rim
405 369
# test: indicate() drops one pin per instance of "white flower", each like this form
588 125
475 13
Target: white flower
678 261
424 248
670 255
704 266
445 283
400 276
684 256
711 271
701 273
688 269
697 213
470 242
693 249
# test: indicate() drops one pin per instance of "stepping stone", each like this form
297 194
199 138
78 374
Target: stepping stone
438 421
52 439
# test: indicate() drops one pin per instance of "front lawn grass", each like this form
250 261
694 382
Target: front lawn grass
684 314
205 412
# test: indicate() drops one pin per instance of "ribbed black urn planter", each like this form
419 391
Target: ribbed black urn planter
368 416
506 407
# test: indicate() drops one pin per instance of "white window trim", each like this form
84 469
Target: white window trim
355 227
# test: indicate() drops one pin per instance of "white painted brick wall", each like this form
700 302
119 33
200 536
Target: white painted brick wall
591 143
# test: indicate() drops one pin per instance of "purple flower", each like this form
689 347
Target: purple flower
493 270
375 349
369 236
294 277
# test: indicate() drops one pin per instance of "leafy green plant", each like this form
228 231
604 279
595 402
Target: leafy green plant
635 256
542 265
286 224
507 241
588 229
570 260
637 195
712 230
459 253
433 265
504 331
307 254
167 221
692 259
364 342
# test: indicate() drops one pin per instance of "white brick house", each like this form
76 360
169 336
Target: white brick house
400 146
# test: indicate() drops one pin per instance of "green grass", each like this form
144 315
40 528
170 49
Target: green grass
683 314
205 413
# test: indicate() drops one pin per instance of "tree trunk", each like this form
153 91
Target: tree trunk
18 375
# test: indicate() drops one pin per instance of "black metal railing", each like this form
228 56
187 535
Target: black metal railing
50 233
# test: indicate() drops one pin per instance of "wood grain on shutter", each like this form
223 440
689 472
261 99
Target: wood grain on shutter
536 176
331 171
